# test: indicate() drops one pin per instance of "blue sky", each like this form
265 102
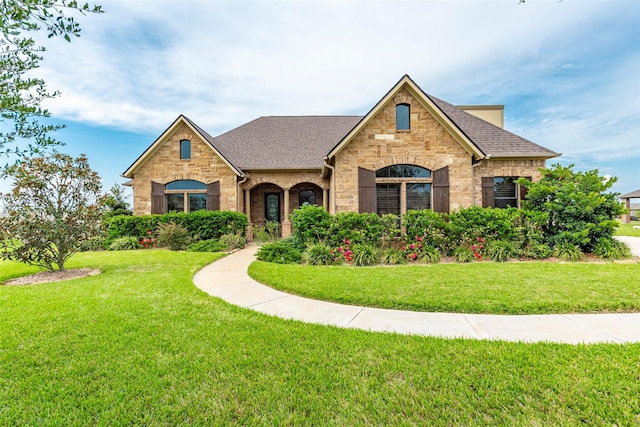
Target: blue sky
567 72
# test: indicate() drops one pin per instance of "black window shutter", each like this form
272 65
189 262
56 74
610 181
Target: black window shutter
488 195
441 190
213 196
366 190
157 198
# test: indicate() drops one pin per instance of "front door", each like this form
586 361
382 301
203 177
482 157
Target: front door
272 207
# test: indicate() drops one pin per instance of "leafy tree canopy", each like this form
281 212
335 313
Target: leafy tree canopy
21 96
581 210
54 208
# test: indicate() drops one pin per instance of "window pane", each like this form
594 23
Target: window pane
418 196
403 171
186 184
402 117
197 202
411 171
307 196
388 199
185 149
175 202
505 192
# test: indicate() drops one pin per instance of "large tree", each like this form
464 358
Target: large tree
21 94
54 208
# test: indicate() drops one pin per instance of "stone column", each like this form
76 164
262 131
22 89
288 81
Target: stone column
325 199
286 224
626 218
247 211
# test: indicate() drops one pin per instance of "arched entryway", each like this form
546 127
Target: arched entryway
267 204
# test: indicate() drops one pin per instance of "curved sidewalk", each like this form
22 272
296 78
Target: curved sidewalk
228 279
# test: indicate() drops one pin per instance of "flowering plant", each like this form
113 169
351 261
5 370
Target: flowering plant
149 241
345 251
478 249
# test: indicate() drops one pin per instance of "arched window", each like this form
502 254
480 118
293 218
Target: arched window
185 195
307 196
401 188
186 184
402 117
185 149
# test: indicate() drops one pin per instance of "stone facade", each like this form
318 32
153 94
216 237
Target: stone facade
379 144
165 166
519 168
260 183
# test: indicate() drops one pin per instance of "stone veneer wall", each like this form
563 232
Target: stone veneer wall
261 182
486 168
427 144
165 166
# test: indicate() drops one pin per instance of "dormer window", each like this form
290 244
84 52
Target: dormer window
185 149
402 117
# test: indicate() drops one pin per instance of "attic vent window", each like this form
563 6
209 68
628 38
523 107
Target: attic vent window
185 149
402 117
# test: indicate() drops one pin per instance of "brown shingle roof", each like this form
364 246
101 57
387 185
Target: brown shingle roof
490 139
283 142
632 195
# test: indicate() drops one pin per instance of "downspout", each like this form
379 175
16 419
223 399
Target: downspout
244 179
332 193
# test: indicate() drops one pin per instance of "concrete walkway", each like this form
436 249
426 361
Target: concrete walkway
227 278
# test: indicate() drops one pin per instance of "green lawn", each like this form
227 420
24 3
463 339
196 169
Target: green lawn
141 345
628 230
480 287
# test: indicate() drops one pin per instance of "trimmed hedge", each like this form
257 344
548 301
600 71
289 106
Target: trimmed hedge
203 225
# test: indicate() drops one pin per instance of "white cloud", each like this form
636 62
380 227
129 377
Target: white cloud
568 72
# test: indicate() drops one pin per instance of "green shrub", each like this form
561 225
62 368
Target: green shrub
580 210
311 223
463 254
466 225
357 228
502 250
432 227
125 244
209 245
173 236
233 240
567 251
391 230
93 244
319 254
365 254
270 232
429 254
611 249
204 224
280 252
537 250
394 256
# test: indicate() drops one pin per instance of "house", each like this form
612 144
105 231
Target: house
632 208
410 151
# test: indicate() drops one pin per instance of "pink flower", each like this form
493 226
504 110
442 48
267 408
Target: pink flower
415 256
413 247
473 248
419 245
